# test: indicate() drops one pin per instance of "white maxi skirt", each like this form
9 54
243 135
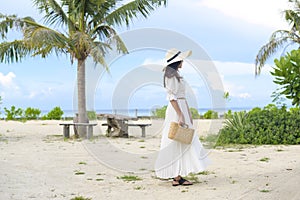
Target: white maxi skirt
175 158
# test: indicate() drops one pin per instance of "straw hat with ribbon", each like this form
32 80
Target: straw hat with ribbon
174 55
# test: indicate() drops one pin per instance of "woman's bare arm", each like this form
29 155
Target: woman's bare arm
175 105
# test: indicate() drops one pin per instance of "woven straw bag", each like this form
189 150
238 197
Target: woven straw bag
181 133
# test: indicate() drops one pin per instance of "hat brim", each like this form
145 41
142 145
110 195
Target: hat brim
181 56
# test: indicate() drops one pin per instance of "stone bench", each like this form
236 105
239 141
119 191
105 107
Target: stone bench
142 126
66 128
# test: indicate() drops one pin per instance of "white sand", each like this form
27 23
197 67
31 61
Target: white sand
36 163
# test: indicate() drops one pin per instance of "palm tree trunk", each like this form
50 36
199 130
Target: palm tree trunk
82 114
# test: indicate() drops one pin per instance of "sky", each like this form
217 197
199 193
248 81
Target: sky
228 33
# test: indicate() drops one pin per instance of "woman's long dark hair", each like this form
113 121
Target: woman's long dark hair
172 70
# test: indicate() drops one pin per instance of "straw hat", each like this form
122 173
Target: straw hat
174 55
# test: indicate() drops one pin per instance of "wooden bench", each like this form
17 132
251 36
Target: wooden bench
142 126
66 128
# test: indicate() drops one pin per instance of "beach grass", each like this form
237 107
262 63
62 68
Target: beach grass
81 198
129 178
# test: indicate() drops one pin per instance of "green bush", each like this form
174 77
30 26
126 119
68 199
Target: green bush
161 112
91 115
228 114
13 113
56 113
270 125
195 113
210 114
32 113
287 73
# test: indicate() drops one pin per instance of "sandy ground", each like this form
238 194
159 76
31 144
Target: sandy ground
36 162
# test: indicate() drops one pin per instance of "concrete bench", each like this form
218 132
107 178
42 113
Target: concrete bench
142 126
66 128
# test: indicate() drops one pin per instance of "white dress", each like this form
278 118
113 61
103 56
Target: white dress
175 158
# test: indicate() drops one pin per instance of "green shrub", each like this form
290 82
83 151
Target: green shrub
210 114
160 112
228 114
270 125
195 113
13 113
91 115
56 113
286 74
32 113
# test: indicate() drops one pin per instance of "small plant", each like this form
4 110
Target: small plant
204 173
192 177
139 188
128 178
265 191
81 198
82 163
79 172
279 150
265 159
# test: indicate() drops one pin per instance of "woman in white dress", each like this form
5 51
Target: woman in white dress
176 160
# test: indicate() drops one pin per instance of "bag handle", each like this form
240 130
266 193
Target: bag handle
184 126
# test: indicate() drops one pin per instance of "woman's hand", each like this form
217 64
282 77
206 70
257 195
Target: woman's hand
181 120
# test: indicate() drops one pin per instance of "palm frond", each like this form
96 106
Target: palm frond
131 10
14 51
43 39
98 52
277 40
121 47
54 13
9 22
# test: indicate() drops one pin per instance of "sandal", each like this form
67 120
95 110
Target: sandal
184 182
175 182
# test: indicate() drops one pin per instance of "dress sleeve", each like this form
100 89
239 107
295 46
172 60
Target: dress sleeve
172 88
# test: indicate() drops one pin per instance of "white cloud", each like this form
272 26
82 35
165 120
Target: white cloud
244 95
236 90
267 12
6 81
239 68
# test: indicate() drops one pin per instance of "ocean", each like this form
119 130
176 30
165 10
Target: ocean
136 112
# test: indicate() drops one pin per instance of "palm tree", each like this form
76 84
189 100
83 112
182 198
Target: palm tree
281 38
79 28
